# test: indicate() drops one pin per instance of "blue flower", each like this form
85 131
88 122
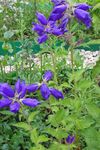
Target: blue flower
83 16
49 26
45 92
83 6
70 139
56 93
48 75
58 2
32 88
13 98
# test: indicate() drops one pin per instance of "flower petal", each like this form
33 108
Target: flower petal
23 90
41 18
38 28
14 107
5 102
18 86
83 16
42 38
31 102
56 31
55 16
6 90
83 6
32 87
56 93
58 2
48 75
45 92
70 139
59 8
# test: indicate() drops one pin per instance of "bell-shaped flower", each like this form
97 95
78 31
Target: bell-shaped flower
83 16
31 102
63 24
42 38
14 107
5 102
32 88
58 2
55 16
6 90
70 139
13 98
83 6
56 93
59 9
42 19
48 75
45 92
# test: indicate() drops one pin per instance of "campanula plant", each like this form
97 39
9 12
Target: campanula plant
62 102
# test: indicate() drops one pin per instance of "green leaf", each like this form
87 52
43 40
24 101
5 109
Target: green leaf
92 42
96 69
23 125
42 138
57 118
58 133
32 116
6 112
93 110
34 136
92 138
38 147
59 146
97 6
84 123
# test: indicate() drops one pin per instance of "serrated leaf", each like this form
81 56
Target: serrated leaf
84 123
57 133
42 138
34 136
32 115
23 125
97 6
93 110
57 118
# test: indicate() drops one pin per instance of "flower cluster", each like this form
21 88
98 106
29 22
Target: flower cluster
16 97
44 89
59 17
13 98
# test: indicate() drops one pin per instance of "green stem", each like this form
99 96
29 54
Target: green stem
72 58
54 67
41 64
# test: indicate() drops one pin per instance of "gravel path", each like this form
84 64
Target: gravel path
89 60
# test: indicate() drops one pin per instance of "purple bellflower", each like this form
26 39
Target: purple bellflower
14 98
44 28
56 93
70 139
46 91
32 88
83 6
49 26
58 12
58 2
82 15
48 75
